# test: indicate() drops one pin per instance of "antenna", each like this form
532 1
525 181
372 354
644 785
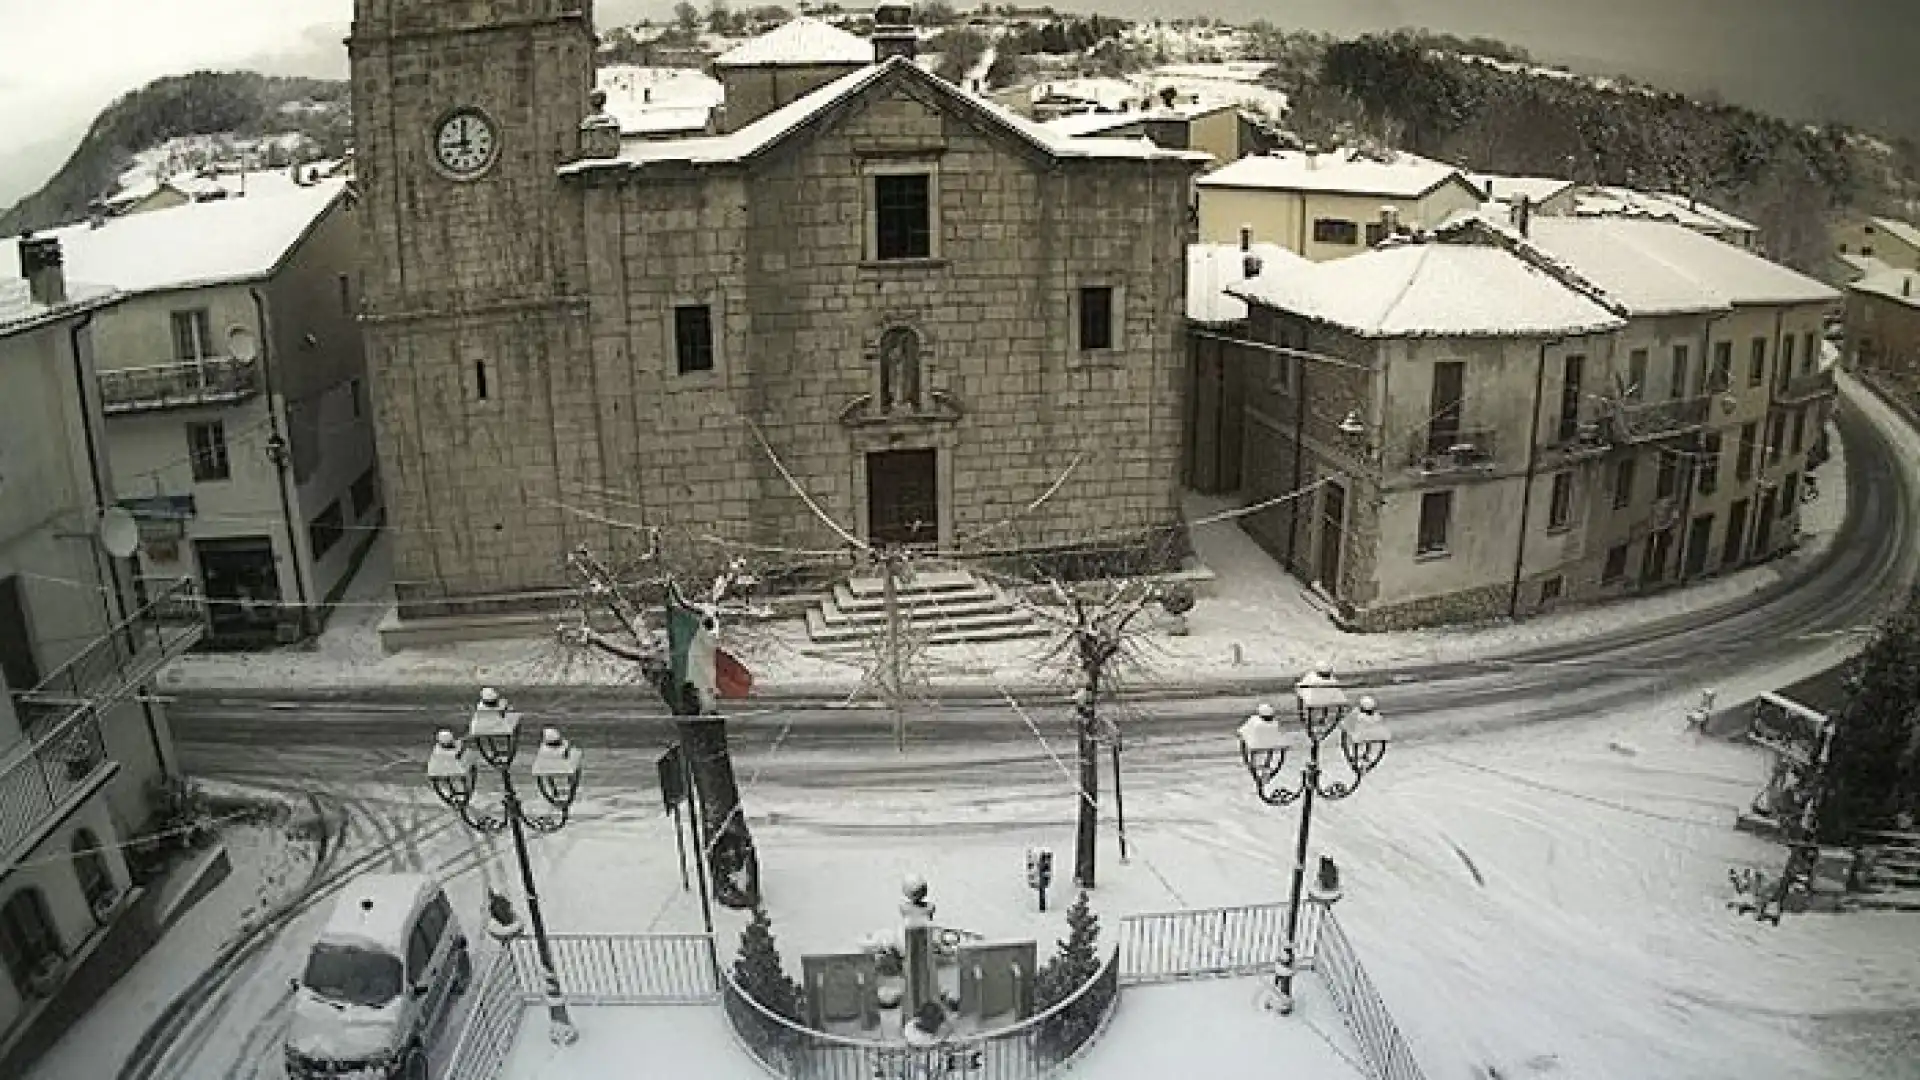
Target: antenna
242 345
119 532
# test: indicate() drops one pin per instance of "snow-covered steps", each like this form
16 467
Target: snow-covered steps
943 607
1892 900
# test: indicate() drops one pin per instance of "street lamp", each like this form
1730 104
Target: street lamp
1264 745
493 739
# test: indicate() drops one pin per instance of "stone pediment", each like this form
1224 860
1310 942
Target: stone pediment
865 411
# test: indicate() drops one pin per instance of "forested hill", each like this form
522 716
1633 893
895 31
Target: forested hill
238 103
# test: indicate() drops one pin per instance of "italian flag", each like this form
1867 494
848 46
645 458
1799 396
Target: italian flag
697 658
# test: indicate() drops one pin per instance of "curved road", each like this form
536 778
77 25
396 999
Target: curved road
1792 624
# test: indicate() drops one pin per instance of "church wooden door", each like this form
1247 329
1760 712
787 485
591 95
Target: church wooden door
903 497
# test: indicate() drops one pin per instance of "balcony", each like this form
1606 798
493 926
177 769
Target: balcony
1804 388
1443 450
217 380
1641 422
40 776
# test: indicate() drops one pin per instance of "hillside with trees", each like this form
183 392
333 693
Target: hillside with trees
236 103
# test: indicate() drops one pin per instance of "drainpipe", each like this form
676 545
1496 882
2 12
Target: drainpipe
1526 490
277 453
1301 232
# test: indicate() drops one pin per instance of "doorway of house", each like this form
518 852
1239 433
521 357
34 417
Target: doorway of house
903 497
1333 529
242 587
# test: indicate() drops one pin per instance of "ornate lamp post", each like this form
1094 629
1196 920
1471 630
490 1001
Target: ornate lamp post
493 738
1264 745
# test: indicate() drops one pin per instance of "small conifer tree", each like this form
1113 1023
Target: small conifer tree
1874 769
1075 961
758 970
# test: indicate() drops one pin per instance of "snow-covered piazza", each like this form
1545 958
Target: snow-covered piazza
905 543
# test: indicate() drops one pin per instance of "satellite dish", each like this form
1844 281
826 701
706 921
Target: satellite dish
119 533
242 345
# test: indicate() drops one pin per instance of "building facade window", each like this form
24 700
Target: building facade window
1757 363
1722 377
1789 494
1810 355
1637 374
1666 479
28 941
1743 462
345 285
1710 464
1376 232
693 338
1799 438
325 530
1785 370
1436 522
903 216
1572 375
1335 231
1096 318
1623 484
1677 374
192 335
1551 589
96 881
207 451
1560 502
480 380
1616 565
1776 438
363 493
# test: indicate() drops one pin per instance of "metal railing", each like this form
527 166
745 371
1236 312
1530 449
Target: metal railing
118 661
38 776
213 380
1386 1052
1804 387
1027 1050
1640 421
487 1037
1207 941
608 969
1450 449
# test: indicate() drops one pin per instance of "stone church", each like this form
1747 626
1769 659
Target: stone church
866 285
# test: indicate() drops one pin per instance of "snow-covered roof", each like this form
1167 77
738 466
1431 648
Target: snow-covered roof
207 243
1104 92
1863 265
1348 172
1628 203
1538 189
1900 286
1430 290
1078 125
1661 267
653 100
1213 268
374 911
1899 230
20 312
800 42
776 125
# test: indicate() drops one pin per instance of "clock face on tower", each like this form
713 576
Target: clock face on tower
465 143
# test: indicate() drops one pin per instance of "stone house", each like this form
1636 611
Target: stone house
1883 329
1894 242
880 302
81 736
232 377
1329 205
1488 423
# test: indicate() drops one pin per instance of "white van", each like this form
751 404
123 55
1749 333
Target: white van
378 981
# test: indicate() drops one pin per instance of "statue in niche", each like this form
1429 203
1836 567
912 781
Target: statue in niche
900 370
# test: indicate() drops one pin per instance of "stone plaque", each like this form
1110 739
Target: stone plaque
996 978
840 989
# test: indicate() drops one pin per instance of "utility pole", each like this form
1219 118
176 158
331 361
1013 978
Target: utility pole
1086 833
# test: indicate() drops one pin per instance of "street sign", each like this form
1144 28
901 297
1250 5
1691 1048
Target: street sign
673 780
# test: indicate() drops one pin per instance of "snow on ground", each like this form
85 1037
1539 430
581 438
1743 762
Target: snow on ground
1255 621
673 1040
266 868
1223 1029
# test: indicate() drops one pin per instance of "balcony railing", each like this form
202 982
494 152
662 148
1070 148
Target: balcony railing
1636 422
1446 450
215 380
113 666
1806 387
38 775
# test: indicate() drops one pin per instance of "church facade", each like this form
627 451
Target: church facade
882 296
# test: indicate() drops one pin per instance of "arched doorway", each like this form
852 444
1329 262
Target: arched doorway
96 881
27 937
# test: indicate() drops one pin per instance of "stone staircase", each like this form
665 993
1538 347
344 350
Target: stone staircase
944 607
1893 876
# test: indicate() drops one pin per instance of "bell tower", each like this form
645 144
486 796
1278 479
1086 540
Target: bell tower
474 290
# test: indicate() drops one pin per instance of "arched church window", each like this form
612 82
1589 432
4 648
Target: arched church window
900 370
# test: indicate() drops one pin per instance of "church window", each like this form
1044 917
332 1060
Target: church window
480 379
693 338
903 217
1096 318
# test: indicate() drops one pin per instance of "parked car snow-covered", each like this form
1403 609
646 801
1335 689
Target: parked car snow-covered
378 981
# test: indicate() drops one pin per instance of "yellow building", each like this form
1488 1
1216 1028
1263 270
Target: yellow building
1326 206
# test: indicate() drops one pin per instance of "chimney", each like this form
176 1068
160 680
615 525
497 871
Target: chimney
1390 221
1249 262
1246 238
96 214
893 32
1523 215
599 132
42 264
646 95
1313 156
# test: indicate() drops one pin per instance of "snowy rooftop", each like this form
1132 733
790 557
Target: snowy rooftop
20 312
798 43
1106 93
1901 286
208 243
1092 123
1213 268
373 910
1431 290
1538 189
1406 176
651 100
1654 267
776 125
1627 203
1899 230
